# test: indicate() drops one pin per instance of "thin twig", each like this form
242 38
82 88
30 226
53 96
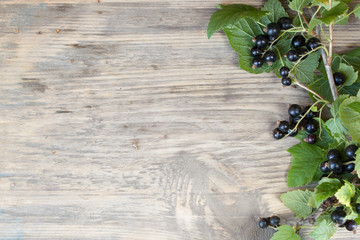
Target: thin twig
309 90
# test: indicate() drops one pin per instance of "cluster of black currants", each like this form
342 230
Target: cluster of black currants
334 161
259 51
338 217
273 221
296 114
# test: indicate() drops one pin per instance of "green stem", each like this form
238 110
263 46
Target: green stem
322 31
282 62
261 24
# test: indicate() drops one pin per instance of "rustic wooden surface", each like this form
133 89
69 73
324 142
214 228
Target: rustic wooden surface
121 120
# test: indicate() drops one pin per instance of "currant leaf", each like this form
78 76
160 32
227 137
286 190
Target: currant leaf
327 188
345 193
298 5
285 232
275 10
353 57
349 72
304 70
324 231
297 201
349 113
333 13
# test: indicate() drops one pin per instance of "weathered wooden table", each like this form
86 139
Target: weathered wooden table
121 120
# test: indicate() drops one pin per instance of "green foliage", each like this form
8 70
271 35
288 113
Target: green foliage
349 72
334 124
357 166
349 113
357 10
304 70
285 232
324 231
335 12
298 5
327 188
297 201
345 193
275 10
353 58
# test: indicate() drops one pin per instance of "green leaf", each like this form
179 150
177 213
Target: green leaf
324 216
312 24
305 160
353 58
276 11
334 12
322 87
357 10
349 72
324 231
352 215
335 125
304 70
285 232
345 193
351 90
327 188
297 201
357 167
298 5
349 113
231 14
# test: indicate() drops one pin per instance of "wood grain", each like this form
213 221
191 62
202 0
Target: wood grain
121 120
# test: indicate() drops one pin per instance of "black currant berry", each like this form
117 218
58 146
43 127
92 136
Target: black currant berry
292 55
339 78
338 216
311 126
284 126
333 153
272 39
261 41
324 167
350 225
310 114
270 57
302 53
284 71
349 167
298 41
292 130
285 23
273 29
311 139
257 62
277 134
294 110
335 166
295 119
312 43
357 208
274 221
286 81
263 223
255 52
350 151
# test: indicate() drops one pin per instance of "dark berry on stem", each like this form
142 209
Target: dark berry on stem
261 41
324 167
286 81
312 43
272 39
350 225
350 151
311 126
302 53
255 52
274 221
298 41
335 165
284 71
285 23
270 57
338 216
273 29
310 115
333 153
357 208
294 110
349 167
292 130
284 126
277 134
263 223
294 119
311 139
257 62
292 55
339 78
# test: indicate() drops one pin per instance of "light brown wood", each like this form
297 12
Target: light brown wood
121 120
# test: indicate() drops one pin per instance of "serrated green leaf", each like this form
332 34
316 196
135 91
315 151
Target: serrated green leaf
298 5
304 71
345 193
349 72
305 160
297 201
311 202
327 188
352 215
357 168
324 216
324 231
334 124
231 14
285 232
275 10
321 86
353 58
349 113
357 10
334 13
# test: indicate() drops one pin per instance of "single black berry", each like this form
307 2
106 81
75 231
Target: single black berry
333 153
255 52
350 225
270 57
292 55
335 165
310 115
277 134
284 71
294 110
274 221
311 126
295 119
298 41
263 223
261 41
350 151
292 130
338 216
349 167
311 139
273 29
312 43
284 126
286 81
257 62
302 53
339 78
357 208
285 23
324 167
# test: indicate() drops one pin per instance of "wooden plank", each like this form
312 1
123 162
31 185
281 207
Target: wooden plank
121 120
